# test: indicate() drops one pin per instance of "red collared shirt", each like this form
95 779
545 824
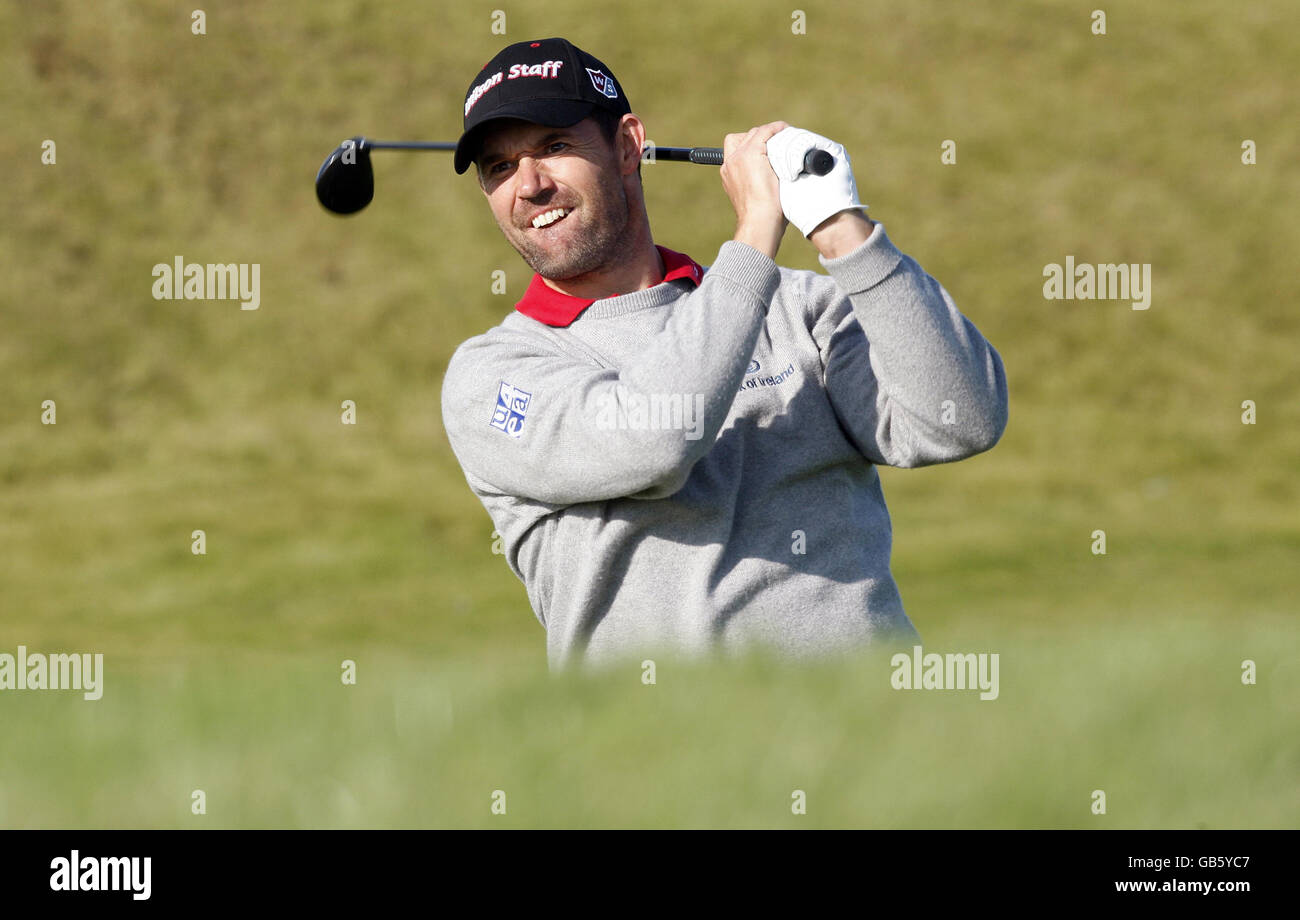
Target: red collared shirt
547 305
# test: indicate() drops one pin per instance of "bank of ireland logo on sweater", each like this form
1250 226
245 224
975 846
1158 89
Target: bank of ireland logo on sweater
511 408
753 380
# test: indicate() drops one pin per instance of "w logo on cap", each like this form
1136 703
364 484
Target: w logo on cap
604 84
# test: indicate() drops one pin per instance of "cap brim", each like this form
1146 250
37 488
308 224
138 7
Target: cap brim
560 113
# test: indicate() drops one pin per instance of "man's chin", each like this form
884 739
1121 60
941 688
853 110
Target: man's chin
559 269
578 260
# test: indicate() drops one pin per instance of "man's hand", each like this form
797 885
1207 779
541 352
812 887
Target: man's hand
809 200
753 188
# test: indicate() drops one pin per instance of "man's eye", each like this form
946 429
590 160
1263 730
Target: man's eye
557 147
498 167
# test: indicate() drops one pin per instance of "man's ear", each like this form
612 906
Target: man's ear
631 141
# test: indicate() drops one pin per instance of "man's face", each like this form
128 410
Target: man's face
528 171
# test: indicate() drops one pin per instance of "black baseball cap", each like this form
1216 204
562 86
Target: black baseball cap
549 81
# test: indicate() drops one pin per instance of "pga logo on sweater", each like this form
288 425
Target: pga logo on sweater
511 408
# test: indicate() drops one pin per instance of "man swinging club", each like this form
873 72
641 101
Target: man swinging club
682 460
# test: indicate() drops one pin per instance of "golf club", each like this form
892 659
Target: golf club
345 182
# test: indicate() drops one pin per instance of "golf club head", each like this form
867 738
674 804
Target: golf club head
346 181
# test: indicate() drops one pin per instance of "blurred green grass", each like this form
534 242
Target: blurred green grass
1155 716
328 542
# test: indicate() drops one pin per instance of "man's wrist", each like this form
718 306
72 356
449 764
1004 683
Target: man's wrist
842 233
763 238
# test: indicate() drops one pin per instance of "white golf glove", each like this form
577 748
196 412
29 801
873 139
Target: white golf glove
806 199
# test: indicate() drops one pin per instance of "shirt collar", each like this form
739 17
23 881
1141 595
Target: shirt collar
547 305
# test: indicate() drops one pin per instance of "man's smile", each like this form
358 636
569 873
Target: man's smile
547 218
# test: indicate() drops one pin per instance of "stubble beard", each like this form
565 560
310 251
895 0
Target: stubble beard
601 246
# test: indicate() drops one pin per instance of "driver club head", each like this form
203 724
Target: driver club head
346 181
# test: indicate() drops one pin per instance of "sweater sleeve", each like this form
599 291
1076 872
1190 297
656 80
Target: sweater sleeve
527 421
911 379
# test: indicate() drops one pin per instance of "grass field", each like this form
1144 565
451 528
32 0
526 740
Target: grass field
1153 715
328 542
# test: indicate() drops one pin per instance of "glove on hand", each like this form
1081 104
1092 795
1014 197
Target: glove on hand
806 199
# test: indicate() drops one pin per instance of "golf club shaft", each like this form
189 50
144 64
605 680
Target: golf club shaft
345 182
709 156
406 145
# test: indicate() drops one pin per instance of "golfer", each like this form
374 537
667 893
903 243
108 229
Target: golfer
682 460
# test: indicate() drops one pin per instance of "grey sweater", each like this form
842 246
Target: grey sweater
691 468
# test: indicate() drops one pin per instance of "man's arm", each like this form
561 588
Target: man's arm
910 377
533 423
561 443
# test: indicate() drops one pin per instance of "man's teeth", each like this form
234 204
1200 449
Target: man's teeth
550 217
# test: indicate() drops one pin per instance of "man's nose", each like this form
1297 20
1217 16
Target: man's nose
532 178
